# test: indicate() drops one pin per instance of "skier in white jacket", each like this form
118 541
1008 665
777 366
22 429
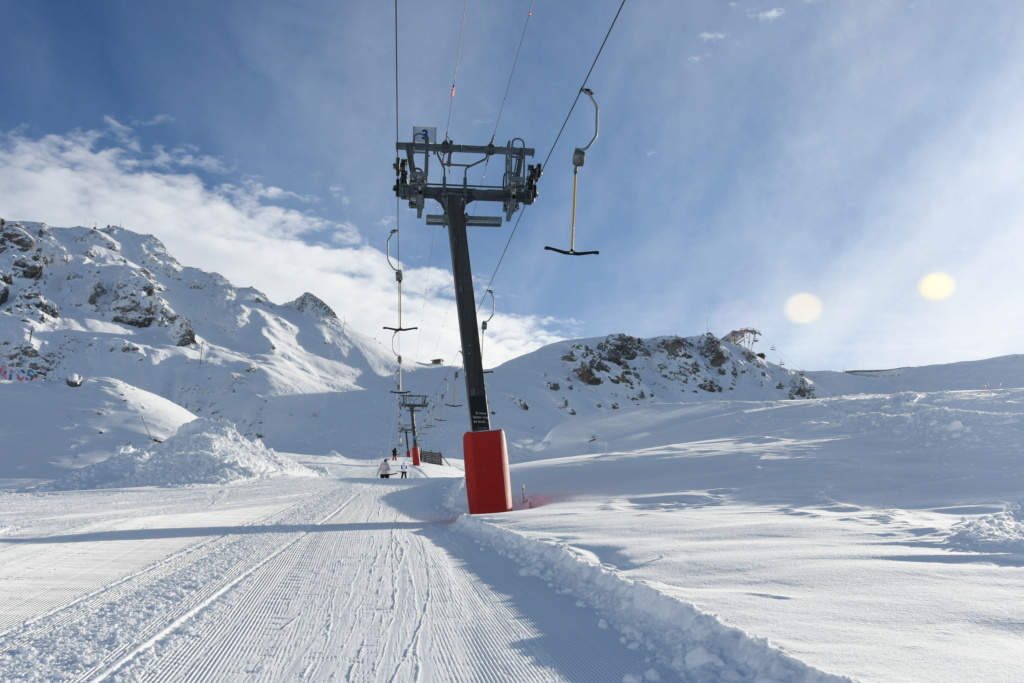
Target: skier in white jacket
384 469
405 469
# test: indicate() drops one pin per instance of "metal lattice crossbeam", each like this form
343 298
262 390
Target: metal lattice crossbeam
519 181
471 221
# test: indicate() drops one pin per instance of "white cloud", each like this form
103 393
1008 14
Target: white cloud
157 120
708 37
186 156
338 193
771 15
276 193
698 58
67 180
122 133
516 335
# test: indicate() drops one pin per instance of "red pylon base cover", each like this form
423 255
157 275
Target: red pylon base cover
488 484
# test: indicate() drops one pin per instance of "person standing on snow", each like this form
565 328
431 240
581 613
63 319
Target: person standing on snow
384 469
405 469
394 454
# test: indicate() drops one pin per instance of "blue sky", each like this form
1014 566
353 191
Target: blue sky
796 166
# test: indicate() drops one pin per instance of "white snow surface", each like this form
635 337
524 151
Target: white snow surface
686 521
1002 532
201 452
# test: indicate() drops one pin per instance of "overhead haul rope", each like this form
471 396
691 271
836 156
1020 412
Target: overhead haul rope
555 144
396 418
455 76
396 233
444 170
494 133
487 161
557 137
582 87
515 61
508 85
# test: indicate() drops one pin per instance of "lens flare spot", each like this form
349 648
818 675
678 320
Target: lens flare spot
937 286
803 308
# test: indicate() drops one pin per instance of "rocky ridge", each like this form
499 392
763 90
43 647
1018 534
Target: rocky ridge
110 302
704 363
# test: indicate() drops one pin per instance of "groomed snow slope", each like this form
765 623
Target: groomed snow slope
343 577
875 537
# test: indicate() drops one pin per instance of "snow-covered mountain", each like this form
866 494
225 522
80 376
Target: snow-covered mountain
682 500
595 378
160 343
110 303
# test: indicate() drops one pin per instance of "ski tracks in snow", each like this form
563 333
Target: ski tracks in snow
351 583
376 594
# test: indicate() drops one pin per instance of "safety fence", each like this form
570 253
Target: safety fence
433 457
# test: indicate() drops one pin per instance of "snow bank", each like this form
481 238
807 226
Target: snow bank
1002 532
202 452
694 644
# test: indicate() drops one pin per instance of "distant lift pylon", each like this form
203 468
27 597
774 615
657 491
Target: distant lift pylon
578 157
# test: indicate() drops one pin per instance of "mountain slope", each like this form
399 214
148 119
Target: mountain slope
600 378
113 303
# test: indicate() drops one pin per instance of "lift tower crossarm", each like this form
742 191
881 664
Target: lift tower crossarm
449 147
519 185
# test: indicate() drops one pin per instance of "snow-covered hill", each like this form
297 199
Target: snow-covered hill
598 378
681 501
111 303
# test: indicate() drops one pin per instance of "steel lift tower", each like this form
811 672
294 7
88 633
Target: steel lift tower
488 485
412 402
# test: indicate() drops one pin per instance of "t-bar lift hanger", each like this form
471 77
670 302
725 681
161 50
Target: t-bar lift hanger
578 157
396 330
483 325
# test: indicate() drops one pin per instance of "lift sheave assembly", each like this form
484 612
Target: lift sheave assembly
578 157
